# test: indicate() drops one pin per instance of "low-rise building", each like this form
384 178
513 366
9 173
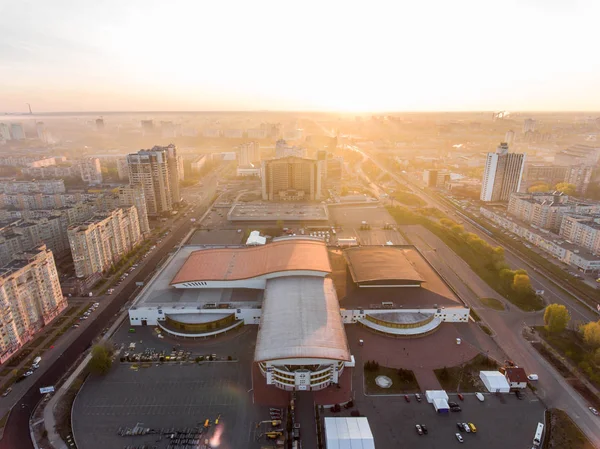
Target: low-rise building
516 377
45 186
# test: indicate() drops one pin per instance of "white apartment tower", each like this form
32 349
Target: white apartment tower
91 171
30 298
249 154
133 195
502 175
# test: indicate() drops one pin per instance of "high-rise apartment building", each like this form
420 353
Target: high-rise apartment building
580 176
291 178
582 230
100 124
30 298
102 241
133 195
529 125
249 154
42 132
5 132
509 137
175 167
16 131
91 171
153 170
122 169
435 178
502 174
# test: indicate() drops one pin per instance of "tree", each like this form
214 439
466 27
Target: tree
507 275
101 360
566 188
591 334
543 187
556 318
521 283
279 224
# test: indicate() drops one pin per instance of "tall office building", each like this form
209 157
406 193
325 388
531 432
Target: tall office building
42 132
249 154
90 170
158 171
133 195
30 298
16 131
291 178
502 175
102 241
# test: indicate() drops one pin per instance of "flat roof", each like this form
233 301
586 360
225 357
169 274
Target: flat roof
228 264
301 319
342 433
433 292
159 293
381 264
278 211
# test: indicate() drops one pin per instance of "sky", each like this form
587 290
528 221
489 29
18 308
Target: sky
350 56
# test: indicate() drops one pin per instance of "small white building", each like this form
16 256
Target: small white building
255 239
494 381
342 433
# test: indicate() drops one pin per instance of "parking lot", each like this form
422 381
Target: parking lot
173 395
502 422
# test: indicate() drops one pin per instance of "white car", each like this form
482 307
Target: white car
594 411
28 373
533 377
459 437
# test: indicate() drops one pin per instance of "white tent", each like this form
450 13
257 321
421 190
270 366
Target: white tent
435 394
441 405
494 381
348 433
256 239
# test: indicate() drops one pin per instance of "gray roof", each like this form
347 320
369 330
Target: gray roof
301 319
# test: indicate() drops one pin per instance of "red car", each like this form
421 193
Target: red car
461 397
406 398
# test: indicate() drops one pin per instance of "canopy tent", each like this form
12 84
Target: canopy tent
494 381
348 433
435 394
441 405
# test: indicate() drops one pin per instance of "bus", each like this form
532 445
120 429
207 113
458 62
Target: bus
537 439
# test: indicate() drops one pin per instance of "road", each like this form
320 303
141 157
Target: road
16 432
508 327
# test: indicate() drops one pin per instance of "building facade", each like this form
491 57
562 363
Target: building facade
30 298
249 154
91 171
502 174
46 186
133 195
122 169
102 241
150 170
291 178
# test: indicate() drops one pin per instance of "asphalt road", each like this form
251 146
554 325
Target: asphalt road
16 432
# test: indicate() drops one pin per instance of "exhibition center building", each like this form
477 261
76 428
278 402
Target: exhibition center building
301 294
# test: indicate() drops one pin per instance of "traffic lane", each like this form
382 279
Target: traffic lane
16 432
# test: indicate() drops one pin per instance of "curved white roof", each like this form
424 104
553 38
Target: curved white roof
301 319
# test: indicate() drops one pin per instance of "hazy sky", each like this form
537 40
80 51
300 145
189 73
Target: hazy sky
78 55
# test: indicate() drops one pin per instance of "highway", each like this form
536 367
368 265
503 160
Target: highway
508 325
16 432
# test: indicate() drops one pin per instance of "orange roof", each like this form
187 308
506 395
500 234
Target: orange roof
228 264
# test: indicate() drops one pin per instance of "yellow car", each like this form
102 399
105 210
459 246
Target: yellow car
472 427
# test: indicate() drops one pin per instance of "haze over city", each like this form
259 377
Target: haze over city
338 56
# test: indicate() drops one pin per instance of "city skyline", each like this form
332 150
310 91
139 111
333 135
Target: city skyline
181 56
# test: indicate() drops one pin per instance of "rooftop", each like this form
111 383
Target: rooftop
228 264
278 211
301 318
381 265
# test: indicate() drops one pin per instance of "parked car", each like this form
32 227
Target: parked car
424 428
480 397
419 429
461 397
452 404
472 427
466 427
406 398
418 397
459 437
533 377
460 427
6 392
28 373
519 394
594 411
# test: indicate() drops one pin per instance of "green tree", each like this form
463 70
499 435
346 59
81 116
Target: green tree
101 360
521 283
566 188
507 275
543 187
556 318
591 334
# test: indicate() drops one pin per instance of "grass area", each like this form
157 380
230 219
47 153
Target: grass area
465 377
492 303
17 359
562 432
553 360
410 199
406 382
571 346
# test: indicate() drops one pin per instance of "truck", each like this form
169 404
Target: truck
36 362
537 439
